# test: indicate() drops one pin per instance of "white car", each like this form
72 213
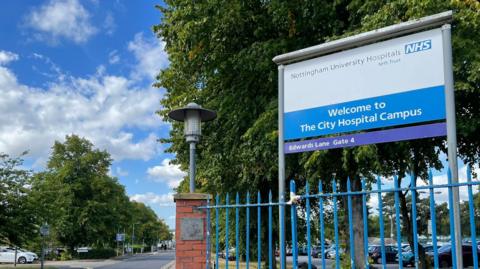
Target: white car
7 255
332 253
35 256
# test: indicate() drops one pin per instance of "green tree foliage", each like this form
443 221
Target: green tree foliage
148 228
16 214
79 173
82 203
220 54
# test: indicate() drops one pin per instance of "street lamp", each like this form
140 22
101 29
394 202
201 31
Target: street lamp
44 232
193 115
133 236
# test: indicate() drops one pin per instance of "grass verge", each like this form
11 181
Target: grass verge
242 265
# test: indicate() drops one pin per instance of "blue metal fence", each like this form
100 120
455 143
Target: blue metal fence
322 199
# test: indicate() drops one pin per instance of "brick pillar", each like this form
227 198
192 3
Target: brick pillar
191 230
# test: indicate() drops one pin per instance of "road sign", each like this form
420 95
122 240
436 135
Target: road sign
44 230
395 82
120 237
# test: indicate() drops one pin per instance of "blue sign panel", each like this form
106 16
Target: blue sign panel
389 110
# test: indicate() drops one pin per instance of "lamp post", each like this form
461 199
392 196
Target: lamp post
193 115
44 231
133 237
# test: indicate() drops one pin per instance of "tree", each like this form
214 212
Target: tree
220 54
16 215
148 228
77 197
418 156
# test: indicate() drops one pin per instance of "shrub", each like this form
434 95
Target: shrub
65 256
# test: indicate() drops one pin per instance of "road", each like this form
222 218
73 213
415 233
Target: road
147 261
137 261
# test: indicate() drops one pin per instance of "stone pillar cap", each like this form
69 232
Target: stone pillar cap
192 196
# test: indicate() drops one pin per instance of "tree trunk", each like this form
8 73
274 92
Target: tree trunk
407 221
421 250
357 220
357 217
357 214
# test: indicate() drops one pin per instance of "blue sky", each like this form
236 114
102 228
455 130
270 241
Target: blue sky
86 67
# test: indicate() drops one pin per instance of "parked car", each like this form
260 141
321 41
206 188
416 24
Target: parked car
445 255
332 252
429 249
317 251
408 259
327 250
288 251
302 251
35 256
375 252
7 255
231 254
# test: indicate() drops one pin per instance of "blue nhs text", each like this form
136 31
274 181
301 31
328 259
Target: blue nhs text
418 46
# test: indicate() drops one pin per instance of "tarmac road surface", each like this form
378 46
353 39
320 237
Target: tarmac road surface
143 261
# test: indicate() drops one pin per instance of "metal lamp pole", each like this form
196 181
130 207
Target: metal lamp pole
133 237
193 115
44 231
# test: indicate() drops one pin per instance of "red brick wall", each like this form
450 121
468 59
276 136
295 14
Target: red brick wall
190 254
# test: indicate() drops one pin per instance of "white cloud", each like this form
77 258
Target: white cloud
61 19
113 57
150 55
120 172
114 112
167 173
54 71
440 194
7 57
109 24
152 199
102 108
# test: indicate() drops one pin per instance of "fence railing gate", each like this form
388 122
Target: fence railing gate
316 210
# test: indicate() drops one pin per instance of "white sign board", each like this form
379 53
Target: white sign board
395 82
120 237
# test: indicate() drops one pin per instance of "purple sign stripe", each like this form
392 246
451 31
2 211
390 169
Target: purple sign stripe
398 134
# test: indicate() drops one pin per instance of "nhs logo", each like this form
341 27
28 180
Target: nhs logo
418 46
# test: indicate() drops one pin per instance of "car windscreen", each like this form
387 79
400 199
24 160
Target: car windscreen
445 248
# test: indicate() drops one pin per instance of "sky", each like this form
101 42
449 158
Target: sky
87 67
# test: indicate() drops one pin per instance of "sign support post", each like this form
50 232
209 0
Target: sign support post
281 166
452 136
